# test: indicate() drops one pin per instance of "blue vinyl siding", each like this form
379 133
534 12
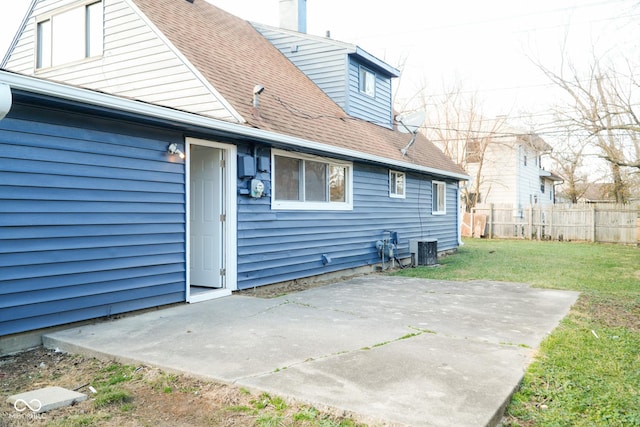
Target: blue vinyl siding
334 67
92 218
275 246
377 110
321 60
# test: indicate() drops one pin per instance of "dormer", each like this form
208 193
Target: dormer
357 81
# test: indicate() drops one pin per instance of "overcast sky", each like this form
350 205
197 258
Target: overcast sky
482 44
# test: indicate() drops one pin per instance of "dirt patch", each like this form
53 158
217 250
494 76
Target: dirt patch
611 312
144 396
292 286
280 289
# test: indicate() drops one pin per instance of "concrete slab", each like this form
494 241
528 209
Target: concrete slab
45 399
395 350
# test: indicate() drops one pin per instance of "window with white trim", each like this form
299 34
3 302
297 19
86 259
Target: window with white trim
438 198
396 184
367 82
70 35
310 182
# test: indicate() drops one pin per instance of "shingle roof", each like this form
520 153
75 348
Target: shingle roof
234 57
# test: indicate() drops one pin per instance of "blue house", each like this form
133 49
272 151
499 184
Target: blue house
176 155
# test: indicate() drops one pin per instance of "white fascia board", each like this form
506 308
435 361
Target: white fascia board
87 96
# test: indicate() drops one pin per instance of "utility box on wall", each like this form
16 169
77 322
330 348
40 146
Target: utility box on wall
424 251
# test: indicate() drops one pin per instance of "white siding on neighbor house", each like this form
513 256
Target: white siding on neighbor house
499 175
528 177
137 63
505 178
322 61
547 198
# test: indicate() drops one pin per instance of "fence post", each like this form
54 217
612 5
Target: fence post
491 220
593 222
550 219
473 212
530 222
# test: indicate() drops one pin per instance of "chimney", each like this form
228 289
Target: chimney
293 15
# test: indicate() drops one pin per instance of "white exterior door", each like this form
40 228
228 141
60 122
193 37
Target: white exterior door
207 217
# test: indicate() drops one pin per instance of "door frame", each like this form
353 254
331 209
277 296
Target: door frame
230 226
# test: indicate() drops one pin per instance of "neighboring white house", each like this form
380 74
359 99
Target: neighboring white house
505 164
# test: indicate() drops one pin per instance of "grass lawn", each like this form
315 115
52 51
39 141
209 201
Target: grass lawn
587 372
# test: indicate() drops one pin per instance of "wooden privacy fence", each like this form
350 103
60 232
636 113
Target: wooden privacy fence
606 223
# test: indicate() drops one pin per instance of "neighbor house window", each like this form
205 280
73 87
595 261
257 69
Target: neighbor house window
367 82
310 182
438 200
473 151
396 184
70 35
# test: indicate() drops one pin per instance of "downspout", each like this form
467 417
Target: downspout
518 168
460 212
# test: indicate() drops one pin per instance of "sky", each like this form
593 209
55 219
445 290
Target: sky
483 47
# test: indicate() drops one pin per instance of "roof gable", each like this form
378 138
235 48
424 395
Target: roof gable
234 57
136 61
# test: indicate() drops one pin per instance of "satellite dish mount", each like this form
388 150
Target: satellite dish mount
410 123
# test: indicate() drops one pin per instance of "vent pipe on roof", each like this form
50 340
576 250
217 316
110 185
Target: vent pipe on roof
293 15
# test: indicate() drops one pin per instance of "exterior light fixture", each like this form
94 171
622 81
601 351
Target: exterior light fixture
173 149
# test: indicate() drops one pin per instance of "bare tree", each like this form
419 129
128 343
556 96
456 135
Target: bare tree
568 163
455 123
604 109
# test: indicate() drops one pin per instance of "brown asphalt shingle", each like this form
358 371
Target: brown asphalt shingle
234 57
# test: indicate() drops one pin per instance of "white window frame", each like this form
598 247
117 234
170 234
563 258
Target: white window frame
49 40
367 82
305 205
435 197
393 190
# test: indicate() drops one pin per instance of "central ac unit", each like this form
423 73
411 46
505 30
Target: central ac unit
424 251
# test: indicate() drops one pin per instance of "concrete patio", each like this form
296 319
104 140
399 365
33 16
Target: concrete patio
396 351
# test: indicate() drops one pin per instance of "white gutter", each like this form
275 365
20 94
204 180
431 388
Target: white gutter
72 93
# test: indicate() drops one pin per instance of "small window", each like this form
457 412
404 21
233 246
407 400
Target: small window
69 36
438 198
367 82
310 182
473 151
525 160
396 184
